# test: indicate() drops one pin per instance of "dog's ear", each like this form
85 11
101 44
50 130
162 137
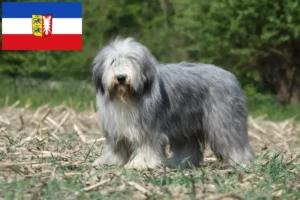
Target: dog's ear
97 75
149 72
148 80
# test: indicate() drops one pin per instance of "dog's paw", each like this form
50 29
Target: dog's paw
132 165
139 162
101 161
139 165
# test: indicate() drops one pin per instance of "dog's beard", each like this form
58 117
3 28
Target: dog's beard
122 91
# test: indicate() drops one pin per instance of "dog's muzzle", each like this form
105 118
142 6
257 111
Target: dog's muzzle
121 78
121 87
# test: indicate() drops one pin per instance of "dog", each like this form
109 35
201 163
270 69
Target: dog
144 106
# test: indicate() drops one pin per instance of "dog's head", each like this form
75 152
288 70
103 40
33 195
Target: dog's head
123 68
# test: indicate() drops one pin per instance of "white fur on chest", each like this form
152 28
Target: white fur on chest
119 119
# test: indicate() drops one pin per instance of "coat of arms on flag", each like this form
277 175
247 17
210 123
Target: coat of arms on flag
41 25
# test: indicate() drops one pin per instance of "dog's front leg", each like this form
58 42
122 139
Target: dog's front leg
146 156
113 153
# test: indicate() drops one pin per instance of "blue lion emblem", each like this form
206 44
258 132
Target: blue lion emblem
37 21
37 30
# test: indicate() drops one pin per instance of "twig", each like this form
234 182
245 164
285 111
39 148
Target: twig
53 173
255 125
6 102
41 120
47 113
28 103
33 164
86 189
49 119
27 139
81 126
49 154
4 120
254 135
61 123
22 123
5 164
278 134
260 118
139 187
38 111
79 132
72 173
15 104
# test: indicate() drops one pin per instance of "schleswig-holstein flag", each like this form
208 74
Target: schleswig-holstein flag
41 26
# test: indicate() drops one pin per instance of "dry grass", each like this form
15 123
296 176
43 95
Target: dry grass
47 154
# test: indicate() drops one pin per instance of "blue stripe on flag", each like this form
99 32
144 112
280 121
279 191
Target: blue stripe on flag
26 9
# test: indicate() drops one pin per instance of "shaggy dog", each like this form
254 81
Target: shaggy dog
144 105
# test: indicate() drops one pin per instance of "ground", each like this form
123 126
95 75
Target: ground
46 153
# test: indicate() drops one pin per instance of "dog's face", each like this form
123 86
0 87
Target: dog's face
123 69
121 78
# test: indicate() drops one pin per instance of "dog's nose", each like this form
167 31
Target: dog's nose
121 78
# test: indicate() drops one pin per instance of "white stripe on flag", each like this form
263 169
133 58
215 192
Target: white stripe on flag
60 26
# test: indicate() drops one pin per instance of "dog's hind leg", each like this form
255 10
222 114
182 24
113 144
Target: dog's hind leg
232 153
228 139
186 153
114 153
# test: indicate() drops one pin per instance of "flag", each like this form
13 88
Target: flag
41 26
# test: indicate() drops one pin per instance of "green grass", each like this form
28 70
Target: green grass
261 105
265 180
77 94
80 94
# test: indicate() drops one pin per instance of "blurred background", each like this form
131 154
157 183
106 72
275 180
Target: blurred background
259 41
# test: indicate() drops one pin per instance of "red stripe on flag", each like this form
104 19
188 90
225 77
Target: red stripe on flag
31 42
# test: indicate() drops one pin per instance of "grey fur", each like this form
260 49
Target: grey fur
186 104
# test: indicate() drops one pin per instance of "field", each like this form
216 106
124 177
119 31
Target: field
49 136
46 153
